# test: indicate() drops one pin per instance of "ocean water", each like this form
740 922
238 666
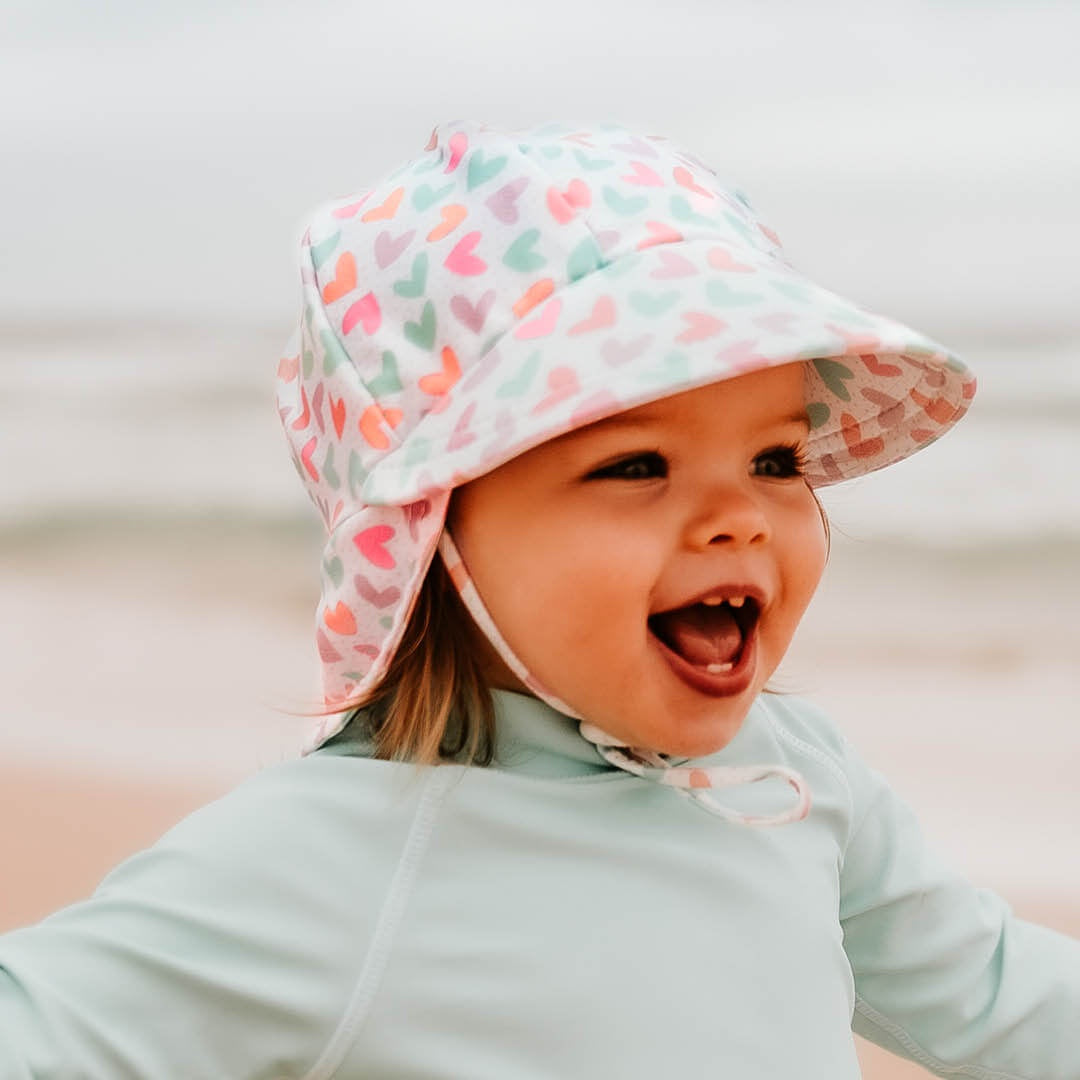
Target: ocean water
176 423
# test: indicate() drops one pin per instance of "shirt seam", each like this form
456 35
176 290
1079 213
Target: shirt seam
917 1054
367 983
817 755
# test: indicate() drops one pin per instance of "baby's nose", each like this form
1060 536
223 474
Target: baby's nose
730 516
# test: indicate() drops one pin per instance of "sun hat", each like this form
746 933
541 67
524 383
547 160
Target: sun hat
506 287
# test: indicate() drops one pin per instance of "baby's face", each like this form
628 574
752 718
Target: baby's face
607 558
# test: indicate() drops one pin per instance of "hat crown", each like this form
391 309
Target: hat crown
410 284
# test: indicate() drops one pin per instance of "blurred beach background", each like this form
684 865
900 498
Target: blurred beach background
157 555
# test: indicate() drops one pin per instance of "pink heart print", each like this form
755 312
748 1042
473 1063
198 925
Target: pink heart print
472 315
372 542
462 261
461 435
503 204
381 598
564 205
458 144
643 175
722 259
388 248
616 353
701 325
562 383
673 265
603 316
365 311
685 178
659 233
543 324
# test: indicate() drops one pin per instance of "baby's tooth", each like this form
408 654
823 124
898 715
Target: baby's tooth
712 601
736 601
719 669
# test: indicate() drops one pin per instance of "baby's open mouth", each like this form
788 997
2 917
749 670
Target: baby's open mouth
709 635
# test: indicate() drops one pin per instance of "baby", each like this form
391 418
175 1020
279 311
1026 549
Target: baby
563 407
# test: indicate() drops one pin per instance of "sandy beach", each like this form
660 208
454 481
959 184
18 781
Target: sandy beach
148 669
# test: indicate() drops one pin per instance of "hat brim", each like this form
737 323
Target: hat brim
876 390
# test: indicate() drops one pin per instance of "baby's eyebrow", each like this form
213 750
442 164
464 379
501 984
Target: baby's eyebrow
799 417
623 420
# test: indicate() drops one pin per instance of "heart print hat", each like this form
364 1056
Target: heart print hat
506 287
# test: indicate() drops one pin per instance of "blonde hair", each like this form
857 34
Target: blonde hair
433 704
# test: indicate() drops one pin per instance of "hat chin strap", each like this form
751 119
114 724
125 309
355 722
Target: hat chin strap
692 782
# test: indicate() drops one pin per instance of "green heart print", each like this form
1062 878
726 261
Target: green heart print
417 451
422 334
683 211
387 381
584 259
833 374
330 474
414 285
624 204
522 380
357 476
425 196
520 256
481 170
818 413
852 315
793 291
723 295
333 353
335 571
592 164
321 251
676 366
652 304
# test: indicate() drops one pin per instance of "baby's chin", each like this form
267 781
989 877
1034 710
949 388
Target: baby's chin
698 746
691 738
696 737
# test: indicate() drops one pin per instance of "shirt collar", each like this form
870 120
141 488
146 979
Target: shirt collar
531 739
534 739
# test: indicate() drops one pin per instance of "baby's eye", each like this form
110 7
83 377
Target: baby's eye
647 466
781 462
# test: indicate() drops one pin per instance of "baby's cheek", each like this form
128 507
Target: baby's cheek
809 523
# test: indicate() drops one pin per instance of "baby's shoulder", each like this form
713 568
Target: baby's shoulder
811 742
319 824
804 726
804 737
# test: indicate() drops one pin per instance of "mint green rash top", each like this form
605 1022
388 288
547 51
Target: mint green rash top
547 917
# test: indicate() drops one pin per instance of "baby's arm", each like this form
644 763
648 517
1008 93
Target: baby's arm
944 973
229 949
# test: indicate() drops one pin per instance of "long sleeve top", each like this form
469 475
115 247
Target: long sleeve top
549 916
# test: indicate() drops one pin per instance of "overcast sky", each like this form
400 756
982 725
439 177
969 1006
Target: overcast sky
920 157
